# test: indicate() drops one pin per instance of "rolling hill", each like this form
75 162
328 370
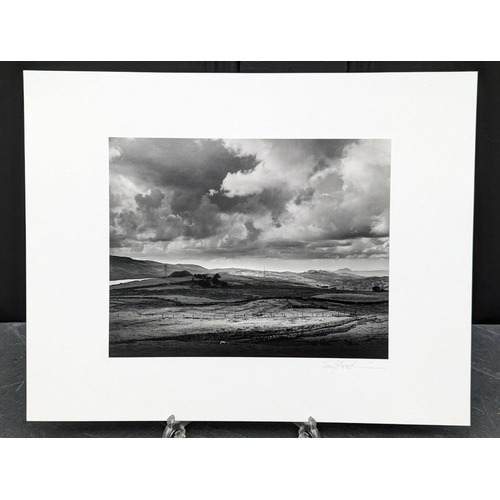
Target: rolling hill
123 268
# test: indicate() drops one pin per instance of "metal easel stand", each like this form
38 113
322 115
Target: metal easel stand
175 429
308 429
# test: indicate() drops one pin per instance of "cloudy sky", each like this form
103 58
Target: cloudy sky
282 204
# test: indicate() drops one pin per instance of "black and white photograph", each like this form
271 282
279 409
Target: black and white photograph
251 247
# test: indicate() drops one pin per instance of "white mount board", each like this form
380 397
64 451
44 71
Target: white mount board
430 119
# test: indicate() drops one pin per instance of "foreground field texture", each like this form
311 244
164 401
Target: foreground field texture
313 314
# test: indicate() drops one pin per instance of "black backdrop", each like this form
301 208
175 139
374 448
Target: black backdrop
486 269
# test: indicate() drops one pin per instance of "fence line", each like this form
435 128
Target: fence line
244 316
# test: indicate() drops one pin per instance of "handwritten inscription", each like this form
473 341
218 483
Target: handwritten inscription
339 364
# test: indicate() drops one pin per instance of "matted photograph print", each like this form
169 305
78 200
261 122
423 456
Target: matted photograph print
253 247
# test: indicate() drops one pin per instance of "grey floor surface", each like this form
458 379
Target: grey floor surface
485 404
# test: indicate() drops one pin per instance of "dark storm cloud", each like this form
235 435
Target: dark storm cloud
204 221
304 195
253 232
314 148
264 198
123 228
149 202
173 177
286 244
269 200
186 169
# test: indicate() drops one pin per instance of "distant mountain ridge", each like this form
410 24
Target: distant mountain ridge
375 273
348 272
123 268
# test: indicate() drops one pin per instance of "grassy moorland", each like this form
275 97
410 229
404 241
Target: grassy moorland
313 314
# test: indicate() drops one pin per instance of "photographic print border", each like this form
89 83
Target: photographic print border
249 247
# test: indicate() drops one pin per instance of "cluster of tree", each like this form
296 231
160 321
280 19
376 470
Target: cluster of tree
206 281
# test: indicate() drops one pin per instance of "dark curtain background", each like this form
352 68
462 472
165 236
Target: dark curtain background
486 273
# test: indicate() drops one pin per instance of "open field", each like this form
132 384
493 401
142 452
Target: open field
285 314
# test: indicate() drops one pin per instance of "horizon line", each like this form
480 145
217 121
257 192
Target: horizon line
249 268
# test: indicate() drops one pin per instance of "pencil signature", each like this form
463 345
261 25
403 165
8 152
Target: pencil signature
339 364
